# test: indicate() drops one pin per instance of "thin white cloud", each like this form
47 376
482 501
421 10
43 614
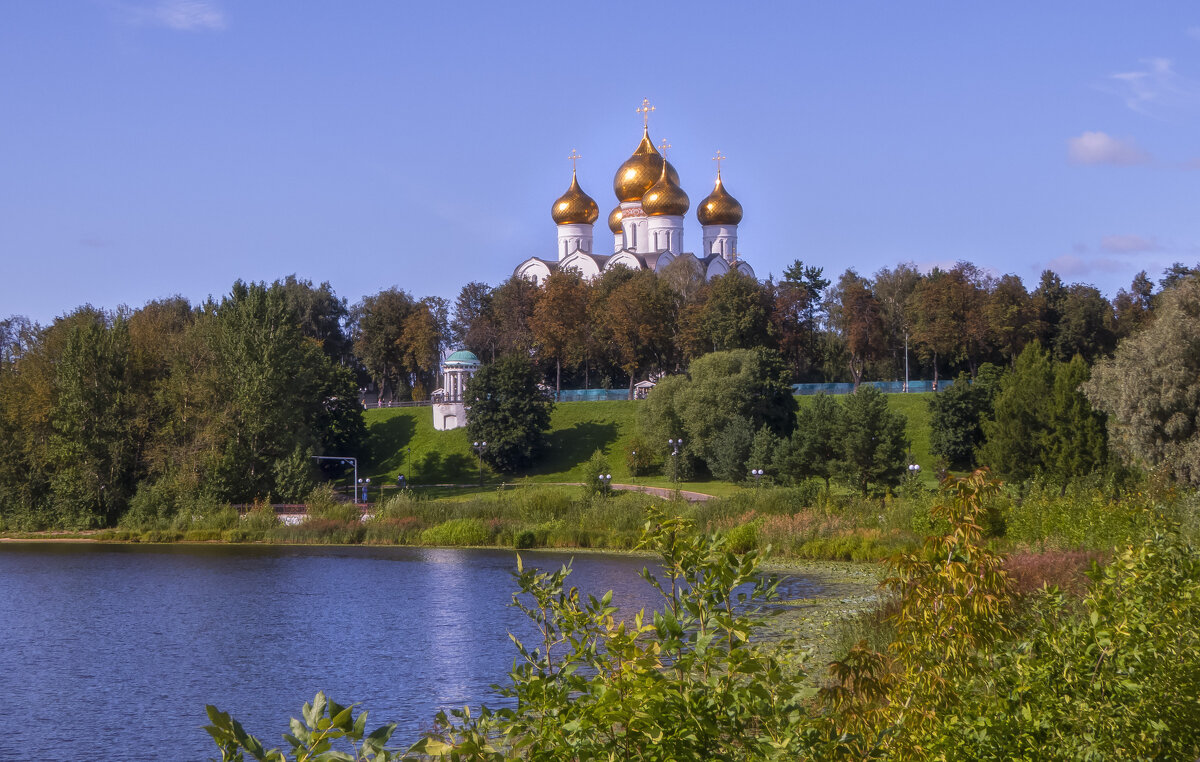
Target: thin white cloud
1193 164
1071 266
1101 148
1129 244
1194 32
181 15
1156 88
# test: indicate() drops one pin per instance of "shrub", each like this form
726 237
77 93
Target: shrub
324 505
595 467
457 532
743 538
404 530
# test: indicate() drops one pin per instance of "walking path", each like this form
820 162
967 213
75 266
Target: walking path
664 492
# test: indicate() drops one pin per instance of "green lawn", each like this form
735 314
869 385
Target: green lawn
403 441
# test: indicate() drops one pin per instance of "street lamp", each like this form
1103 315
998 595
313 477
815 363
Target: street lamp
479 447
605 482
914 469
635 466
757 473
342 459
676 447
365 484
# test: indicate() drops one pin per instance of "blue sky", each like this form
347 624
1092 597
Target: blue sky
155 147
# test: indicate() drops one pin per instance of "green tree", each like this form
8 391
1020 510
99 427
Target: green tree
1134 307
1016 434
731 449
873 443
1176 274
1077 442
1009 313
474 326
797 315
266 390
320 314
1085 325
559 321
421 346
751 384
637 316
956 416
93 452
814 447
736 314
379 340
512 304
508 411
894 288
858 316
1150 388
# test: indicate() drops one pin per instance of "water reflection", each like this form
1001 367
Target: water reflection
112 651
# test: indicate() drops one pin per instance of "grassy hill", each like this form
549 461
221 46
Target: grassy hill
403 441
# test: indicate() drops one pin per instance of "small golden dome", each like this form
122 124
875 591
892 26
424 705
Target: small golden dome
614 219
575 206
719 208
665 197
640 171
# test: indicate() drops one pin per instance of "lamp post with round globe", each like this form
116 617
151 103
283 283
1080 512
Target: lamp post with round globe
676 448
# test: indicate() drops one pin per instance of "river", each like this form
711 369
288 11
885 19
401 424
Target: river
112 651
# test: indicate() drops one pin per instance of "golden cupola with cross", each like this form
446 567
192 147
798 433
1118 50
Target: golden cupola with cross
719 215
647 222
574 212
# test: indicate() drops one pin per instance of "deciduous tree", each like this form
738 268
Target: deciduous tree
508 411
559 322
1150 388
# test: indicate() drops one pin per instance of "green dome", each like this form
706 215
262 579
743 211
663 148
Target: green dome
462 357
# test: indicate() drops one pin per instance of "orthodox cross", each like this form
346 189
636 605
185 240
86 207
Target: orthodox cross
663 146
718 158
645 110
574 157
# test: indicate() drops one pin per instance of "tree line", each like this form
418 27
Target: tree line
626 325
172 405
139 409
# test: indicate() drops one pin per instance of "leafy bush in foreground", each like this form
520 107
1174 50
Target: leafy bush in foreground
966 674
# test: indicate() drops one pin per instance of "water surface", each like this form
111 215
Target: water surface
112 651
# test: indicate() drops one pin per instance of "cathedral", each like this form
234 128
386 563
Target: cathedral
647 223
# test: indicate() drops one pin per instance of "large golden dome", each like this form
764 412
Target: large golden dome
614 219
665 197
640 171
719 208
575 206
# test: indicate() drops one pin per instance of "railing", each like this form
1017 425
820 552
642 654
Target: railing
888 387
621 395
592 395
392 403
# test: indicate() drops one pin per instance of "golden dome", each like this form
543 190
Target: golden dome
719 208
614 219
575 206
640 171
665 197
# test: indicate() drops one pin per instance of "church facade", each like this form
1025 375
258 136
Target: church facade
646 224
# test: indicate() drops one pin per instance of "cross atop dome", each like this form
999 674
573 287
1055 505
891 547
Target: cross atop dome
574 157
663 146
718 159
645 110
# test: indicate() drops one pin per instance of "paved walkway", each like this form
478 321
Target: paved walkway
664 492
